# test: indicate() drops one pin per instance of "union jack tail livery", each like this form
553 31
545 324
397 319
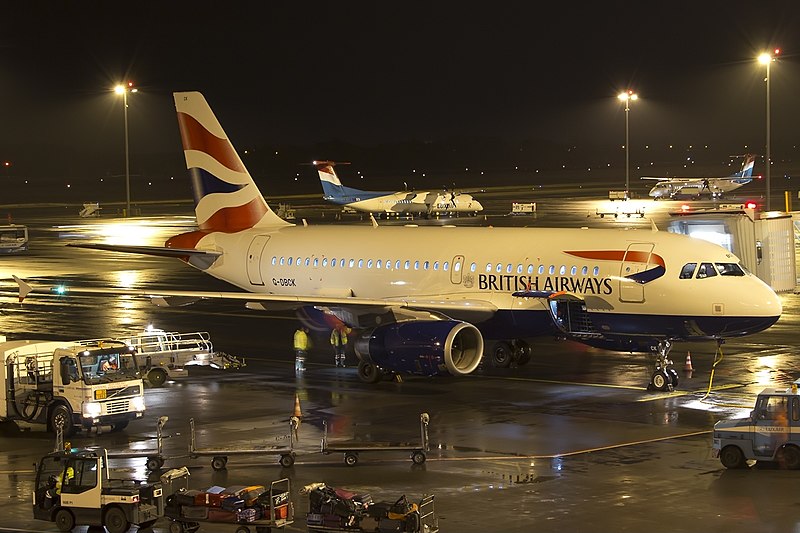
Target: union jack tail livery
226 197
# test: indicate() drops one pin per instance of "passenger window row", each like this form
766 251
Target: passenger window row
398 264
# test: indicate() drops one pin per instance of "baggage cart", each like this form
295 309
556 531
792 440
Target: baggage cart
351 449
219 456
154 457
278 513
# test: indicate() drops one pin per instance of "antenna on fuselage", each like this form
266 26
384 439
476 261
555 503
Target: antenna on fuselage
374 222
653 225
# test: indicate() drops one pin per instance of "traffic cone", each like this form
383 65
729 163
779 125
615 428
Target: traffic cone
297 412
688 365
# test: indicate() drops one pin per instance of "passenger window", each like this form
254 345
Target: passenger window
509 268
596 271
436 265
289 261
282 260
378 263
274 259
325 262
472 267
584 270
397 265
416 265
316 262
352 262
573 271
360 263
541 270
488 267
562 270
407 265
445 266
308 261
687 270
369 263
551 270
499 268
706 270
530 269
333 262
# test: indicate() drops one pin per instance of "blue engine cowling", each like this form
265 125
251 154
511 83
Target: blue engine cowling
428 348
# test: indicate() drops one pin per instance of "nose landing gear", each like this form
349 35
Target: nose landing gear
665 377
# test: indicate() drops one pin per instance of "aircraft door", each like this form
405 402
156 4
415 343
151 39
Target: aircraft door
456 270
636 259
254 252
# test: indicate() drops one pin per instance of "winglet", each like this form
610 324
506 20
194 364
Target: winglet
24 288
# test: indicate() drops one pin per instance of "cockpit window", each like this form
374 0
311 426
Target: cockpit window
706 270
688 270
729 269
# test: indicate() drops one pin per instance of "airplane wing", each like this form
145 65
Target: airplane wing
172 298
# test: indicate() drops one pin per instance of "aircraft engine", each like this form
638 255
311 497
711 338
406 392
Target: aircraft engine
423 347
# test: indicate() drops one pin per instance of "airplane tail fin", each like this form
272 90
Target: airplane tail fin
747 166
225 196
332 188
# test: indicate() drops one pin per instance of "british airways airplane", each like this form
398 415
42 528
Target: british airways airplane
424 300
426 203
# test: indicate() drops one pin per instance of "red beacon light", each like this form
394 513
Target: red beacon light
750 205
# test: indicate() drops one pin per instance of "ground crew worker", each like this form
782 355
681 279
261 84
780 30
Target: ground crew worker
339 343
300 349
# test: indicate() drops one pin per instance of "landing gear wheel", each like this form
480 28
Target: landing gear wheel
60 417
219 463
418 458
660 380
732 457
522 353
789 457
673 377
350 459
115 521
154 463
502 354
157 377
368 372
64 520
287 460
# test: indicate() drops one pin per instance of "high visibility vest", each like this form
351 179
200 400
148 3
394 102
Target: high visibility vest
338 337
300 340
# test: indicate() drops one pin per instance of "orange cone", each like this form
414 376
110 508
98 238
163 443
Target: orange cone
297 412
688 365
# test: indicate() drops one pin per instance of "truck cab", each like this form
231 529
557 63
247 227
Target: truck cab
770 433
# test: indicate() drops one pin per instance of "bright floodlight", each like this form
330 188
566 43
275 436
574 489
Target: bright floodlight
119 89
764 58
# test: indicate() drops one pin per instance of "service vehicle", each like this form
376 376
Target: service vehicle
523 208
162 355
770 433
73 488
13 238
351 448
248 508
341 510
70 384
618 195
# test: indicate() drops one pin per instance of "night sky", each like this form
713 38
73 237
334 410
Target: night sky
393 74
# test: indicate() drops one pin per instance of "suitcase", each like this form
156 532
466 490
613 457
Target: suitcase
250 494
331 520
387 525
314 519
185 497
231 503
216 514
194 512
215 489
248 514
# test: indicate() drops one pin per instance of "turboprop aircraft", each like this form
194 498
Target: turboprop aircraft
426 203
693 188
423 300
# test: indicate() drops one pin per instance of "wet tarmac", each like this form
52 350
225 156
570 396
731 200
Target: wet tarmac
572 441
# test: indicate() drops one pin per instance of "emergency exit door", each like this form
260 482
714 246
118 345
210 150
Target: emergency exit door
254 252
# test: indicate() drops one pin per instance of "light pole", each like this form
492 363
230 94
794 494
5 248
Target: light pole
626 97
124 90
766 59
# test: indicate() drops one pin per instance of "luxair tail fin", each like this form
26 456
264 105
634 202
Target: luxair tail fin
225 196
747 166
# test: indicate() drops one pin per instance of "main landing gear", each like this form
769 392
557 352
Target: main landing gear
665 377
516 351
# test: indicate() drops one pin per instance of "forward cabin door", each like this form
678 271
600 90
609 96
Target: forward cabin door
254 252
636 259
456 270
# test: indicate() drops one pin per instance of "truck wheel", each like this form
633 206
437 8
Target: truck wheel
418 457
64 520
732 457
116 521
119 426
176 527
287 460
157 377
60 417
368 372
154 463
789 457
350 459
219 463
242 529
502 354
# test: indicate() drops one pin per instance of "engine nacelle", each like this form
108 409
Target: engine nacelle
423 347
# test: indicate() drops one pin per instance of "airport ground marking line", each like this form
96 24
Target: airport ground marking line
558 382
678 394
